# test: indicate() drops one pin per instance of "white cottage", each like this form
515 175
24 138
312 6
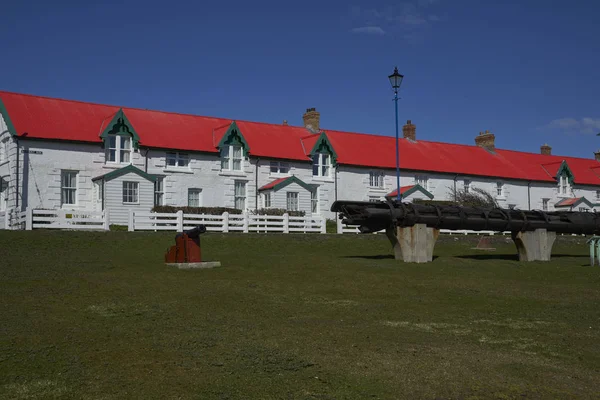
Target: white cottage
72 155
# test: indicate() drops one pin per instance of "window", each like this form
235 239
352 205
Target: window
159 191
597 194
499 189
194 198
68 187
545 204
292 201
267 200
177 159
563 185
240 195
278 167
583 209
376 179
3 194
314 201
119 149
322 165
373 199
423 181
467 185
130 192
232 158
4 150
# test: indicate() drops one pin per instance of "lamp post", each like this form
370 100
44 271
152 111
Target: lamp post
396 80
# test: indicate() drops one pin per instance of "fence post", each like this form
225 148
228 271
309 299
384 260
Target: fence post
179 221
286 223
106 225
7 214
246 222
131 225
29 219
323 225
225 222
340 227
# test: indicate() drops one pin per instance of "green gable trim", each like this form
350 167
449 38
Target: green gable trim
564 170
578 202
323 145
125 170
290 180
120 125
234 137
416 188
7 120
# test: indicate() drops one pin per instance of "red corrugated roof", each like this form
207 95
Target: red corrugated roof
49 118
275 182
403 189
567 202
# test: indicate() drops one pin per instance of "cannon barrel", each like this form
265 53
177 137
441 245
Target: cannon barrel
373 217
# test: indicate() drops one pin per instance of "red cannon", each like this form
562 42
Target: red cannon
187 247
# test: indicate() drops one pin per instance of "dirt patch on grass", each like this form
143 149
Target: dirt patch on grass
41 389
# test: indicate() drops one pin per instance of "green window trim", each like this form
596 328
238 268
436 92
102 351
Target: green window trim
120 125
323 145
9 124
564 170
234 137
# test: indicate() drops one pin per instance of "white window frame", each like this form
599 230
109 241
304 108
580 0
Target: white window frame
131 189
423 181
240 195
279 168
321 161
3 193
314 201
178 159
499 189
545 204
374 199
119 149
267 200
583 209
292 201
376 179
563 186
4 150
228 158
159 191
69 189
197 193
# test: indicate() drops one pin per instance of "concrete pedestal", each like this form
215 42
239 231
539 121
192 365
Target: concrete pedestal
413 244
534 245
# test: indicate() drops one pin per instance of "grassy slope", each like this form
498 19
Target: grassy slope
98 316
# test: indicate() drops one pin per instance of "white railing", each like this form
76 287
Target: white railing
140 220
55 219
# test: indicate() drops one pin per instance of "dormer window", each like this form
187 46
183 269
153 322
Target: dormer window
563 185
118 149
322 165
232 157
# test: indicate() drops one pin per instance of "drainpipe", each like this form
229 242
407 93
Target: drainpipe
256 186
455 178
529 195
17 184
146 160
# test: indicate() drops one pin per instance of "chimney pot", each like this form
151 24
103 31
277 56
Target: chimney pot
409 131
486 140
311 119
285 122
597 155
545 149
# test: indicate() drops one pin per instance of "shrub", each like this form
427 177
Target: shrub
279 211
196 210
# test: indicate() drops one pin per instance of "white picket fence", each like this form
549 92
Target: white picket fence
342 228
150 221
55 219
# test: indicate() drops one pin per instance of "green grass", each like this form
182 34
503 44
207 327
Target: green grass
99 316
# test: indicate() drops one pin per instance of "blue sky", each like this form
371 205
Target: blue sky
527 70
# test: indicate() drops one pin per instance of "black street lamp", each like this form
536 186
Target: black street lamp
396 81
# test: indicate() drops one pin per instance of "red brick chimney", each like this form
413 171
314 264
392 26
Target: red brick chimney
409 131
546 150
311 120
486 140
285 122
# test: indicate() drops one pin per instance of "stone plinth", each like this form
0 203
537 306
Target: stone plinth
413 244
196 265
534 245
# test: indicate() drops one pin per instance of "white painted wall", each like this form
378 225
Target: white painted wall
279 197
113 197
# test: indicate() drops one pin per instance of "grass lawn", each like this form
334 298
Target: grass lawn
99 316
